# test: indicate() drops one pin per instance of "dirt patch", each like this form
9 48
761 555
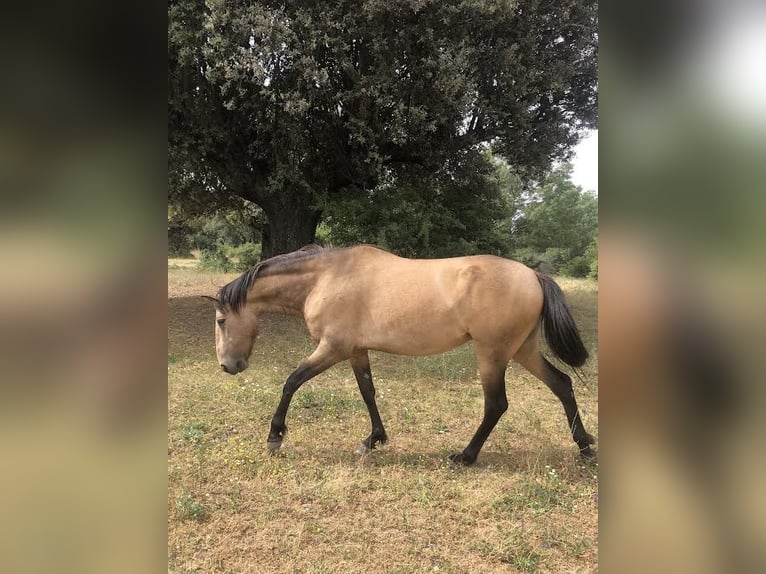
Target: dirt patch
184 279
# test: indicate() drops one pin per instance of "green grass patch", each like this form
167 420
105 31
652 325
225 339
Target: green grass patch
193 432
189 509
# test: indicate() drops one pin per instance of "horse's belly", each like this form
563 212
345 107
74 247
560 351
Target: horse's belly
417 341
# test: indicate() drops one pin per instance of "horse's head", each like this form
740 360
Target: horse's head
235 332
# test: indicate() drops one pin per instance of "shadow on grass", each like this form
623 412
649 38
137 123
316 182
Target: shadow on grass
516 460
191 330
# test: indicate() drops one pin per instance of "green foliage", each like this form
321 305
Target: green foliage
229 227
227 258
178 239
296 105
208 230
591 254
474 205
577 266
215 259
189 509
463 209
243 257
556 227
193 432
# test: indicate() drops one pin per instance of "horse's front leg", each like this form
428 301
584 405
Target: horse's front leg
323 357
360 362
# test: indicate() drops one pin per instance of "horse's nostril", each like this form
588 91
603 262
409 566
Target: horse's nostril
225 370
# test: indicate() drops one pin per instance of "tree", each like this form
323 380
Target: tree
558 226
462 209
293 105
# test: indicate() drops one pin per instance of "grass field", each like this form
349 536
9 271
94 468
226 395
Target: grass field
529 504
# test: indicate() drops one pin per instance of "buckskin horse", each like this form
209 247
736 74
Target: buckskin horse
360 298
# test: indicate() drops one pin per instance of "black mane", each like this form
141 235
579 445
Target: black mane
234 294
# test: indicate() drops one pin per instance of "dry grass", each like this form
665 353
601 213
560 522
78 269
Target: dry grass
527 505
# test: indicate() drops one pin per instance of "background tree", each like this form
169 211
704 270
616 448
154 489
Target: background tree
557 227
464 208
297 105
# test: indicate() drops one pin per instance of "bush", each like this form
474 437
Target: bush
243 257
215 259
576 267
220 229
591 253
226 258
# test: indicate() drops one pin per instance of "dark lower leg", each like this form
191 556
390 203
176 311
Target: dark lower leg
317 363
278 426
495 404
561 385
361 365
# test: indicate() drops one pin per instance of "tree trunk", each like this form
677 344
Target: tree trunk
288 229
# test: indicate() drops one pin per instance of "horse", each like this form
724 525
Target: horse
363 298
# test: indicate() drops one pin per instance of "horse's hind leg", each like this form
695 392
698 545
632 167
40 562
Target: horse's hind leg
530 358
492 370
360 362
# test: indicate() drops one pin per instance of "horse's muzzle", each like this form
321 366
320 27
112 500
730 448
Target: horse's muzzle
237 367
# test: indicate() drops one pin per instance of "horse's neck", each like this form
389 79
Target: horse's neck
284 290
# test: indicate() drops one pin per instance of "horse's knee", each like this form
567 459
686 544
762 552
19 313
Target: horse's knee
292 385
496 406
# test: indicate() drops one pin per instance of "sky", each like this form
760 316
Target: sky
585 163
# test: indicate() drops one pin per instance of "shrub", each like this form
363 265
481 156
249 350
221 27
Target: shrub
243 257
576 267
591 253
189 509
220 229
227 258
215 260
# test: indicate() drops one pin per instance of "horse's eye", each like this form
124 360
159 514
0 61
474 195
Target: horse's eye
221 321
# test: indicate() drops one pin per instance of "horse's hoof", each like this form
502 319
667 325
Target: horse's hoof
459 459
362 449
273 446
587 453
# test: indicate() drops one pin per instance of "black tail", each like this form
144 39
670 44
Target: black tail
558 325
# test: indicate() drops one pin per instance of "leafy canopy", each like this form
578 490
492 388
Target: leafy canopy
294 104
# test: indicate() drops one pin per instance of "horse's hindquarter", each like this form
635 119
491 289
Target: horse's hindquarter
422 307
500 300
